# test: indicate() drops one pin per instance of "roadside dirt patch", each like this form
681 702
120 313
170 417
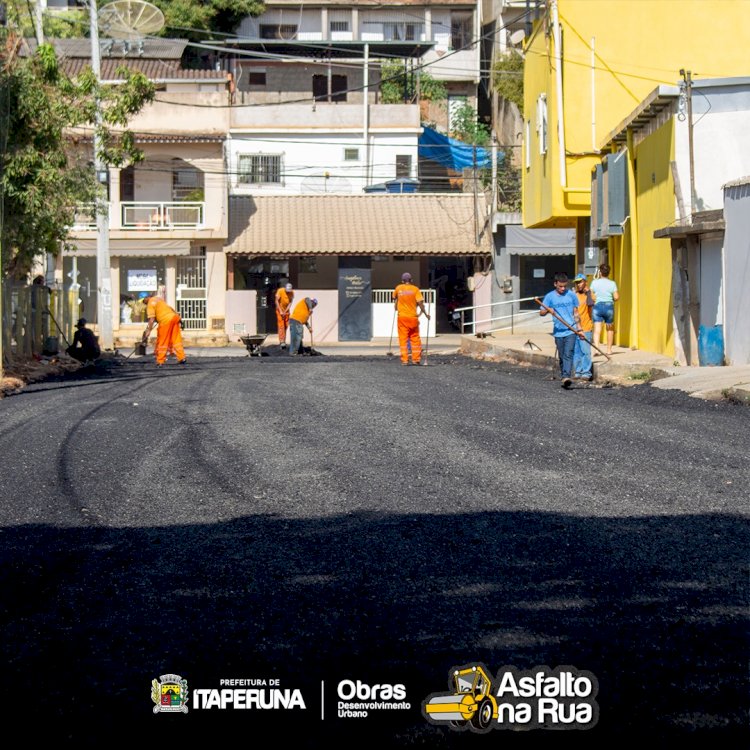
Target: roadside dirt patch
19 372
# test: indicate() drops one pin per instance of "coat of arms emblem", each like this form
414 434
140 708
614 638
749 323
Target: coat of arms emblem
169 694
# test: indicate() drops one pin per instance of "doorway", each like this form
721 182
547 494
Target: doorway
265 277
537 273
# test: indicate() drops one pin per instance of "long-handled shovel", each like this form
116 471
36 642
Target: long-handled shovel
389 353
426 343
577 333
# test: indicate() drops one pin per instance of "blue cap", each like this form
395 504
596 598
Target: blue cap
315 302
580 277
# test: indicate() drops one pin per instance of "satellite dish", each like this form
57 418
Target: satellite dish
130 19
318 184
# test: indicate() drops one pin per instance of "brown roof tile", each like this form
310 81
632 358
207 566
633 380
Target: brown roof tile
417 224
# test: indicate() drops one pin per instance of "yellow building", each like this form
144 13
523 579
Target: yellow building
589 65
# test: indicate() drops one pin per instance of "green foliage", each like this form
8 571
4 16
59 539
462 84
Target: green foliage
508 183
398 85
466 127
63 25
205 15
200 15
507 78
42 178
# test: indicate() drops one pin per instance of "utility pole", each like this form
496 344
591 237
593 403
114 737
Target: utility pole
5 115
688 79
103 273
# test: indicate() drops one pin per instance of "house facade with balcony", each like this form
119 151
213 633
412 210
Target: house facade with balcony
240 191
167 213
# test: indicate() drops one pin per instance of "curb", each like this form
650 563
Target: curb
633 373
479 349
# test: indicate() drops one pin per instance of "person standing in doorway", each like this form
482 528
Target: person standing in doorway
169 332
605 294
582 365
301 317
564 303
406 299
284 299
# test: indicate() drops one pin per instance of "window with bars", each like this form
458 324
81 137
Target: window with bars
339 25
259 169
351 154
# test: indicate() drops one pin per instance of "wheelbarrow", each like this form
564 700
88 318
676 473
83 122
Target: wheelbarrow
254 343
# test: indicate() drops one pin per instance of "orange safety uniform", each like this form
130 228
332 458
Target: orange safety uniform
283 303
301 312
585 303
407 298
169 332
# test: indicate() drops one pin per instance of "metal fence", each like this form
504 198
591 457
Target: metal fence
482 318
37 320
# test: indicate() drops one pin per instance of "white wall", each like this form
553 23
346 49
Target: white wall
721 143
240 310
307 158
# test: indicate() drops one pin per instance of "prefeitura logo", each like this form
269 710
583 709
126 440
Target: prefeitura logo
538 698
169 694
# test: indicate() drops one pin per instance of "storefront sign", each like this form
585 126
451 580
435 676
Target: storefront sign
143 280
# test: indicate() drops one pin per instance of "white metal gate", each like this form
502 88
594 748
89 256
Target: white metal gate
191 290
383 313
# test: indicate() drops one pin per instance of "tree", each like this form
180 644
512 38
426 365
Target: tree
190 17
70 24
184 18
508 78
42 175
466 127
399 85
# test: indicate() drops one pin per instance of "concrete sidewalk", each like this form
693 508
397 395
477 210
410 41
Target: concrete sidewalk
536 346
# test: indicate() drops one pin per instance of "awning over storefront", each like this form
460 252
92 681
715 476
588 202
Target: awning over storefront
521 241
131 248
375 224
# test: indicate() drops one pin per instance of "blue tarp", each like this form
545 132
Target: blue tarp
452 153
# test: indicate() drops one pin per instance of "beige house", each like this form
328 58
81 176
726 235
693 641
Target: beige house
168 213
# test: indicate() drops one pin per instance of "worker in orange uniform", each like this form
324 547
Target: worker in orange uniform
300 317
406 299
169 332
284 298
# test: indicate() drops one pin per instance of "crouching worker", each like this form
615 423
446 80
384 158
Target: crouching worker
85 346
168 333
302 316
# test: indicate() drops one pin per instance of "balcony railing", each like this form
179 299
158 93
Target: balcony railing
140 215
160 215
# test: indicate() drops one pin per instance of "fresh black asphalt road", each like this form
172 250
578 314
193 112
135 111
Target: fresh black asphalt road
344 518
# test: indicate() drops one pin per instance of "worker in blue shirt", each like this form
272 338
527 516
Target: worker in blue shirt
563 303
